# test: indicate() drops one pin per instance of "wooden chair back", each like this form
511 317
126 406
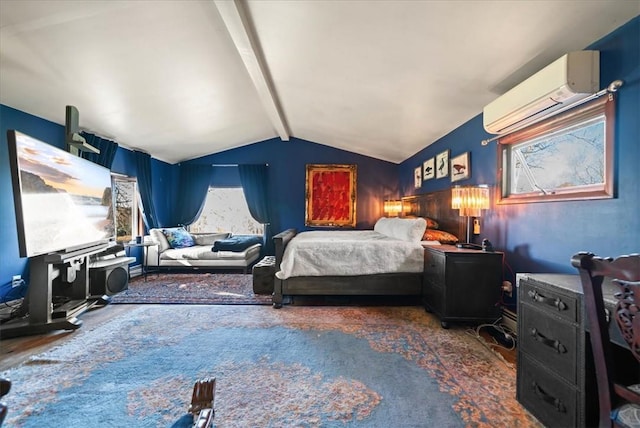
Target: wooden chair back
5 386
624 273
202 399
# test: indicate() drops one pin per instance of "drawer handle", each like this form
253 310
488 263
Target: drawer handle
556 402
555 344
559 304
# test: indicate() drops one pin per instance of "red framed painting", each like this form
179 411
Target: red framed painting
331 195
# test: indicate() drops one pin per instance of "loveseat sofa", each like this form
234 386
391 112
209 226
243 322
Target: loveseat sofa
178 249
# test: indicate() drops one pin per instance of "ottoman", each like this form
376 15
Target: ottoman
263 275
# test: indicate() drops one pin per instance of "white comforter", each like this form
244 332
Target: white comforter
349 252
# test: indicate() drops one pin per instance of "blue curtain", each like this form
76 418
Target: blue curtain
254 180
193 186
143 167
107 149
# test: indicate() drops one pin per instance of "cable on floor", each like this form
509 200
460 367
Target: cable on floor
504 330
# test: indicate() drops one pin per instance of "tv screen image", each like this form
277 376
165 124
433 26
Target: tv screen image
62 202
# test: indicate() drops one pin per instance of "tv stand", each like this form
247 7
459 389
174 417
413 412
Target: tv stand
63 275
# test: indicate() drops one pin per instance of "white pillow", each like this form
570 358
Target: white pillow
160 239
209 238
405 229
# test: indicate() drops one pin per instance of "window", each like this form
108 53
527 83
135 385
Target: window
569 156
127 208
226 210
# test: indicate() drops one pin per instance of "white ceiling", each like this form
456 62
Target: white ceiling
183 79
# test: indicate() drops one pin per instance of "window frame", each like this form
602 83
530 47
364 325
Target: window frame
604 106
137 225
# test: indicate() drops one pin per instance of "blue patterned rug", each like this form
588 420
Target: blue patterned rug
294 367
193 288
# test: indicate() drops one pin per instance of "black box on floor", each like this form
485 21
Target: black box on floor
263 275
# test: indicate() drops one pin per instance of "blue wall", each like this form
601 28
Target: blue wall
542 237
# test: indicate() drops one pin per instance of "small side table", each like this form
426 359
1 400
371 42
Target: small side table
461 285
145 259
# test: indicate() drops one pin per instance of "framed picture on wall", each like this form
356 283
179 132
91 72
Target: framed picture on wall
330 195
417 177
429 169
460 167
442 164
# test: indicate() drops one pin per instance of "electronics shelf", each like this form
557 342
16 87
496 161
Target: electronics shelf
58 292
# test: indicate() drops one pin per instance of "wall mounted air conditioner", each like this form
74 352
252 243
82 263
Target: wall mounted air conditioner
571 78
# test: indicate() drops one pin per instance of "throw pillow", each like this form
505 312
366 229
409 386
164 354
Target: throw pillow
439 235
431 223
178 237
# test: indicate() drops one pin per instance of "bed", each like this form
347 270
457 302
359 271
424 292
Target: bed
377 280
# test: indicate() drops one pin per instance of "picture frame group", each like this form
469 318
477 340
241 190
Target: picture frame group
441 166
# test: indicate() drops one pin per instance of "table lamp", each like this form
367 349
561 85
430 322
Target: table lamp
392 208
470 200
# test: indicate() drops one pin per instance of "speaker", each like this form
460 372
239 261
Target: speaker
108 280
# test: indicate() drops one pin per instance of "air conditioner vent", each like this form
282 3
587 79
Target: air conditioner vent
569 79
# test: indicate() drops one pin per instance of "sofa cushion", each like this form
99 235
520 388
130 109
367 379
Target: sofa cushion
159 238
196 252
204 253
178 237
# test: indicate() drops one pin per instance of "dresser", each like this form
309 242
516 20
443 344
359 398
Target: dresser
555 376
462 285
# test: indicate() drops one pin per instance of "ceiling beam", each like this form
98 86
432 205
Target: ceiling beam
235 18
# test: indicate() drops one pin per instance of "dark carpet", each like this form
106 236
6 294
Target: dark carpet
193 288
295 367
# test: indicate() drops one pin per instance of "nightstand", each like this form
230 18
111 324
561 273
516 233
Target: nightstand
462 285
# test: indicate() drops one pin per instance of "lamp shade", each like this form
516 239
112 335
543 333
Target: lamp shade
392 207
470 200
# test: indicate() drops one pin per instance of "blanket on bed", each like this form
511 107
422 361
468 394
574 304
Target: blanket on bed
349 252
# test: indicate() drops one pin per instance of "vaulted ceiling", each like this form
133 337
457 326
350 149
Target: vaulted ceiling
183 79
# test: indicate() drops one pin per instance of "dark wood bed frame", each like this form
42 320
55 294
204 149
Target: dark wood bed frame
436 205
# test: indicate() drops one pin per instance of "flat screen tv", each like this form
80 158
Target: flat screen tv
62 202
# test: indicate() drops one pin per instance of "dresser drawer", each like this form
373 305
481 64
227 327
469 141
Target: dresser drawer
552 401
550 300
550 339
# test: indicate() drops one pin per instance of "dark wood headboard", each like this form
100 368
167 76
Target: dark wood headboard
436 205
